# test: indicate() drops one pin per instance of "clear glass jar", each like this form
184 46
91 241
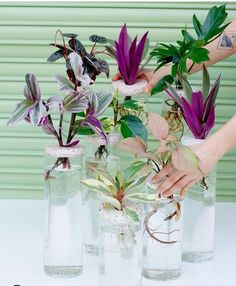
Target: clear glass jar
98 155
63 220
199 216
120 249
162 238
134 91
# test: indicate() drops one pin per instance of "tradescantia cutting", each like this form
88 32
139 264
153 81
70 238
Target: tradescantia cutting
198 108
129 55
79 100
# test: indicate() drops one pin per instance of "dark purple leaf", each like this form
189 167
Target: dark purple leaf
96 126
137 59
124 45
47 126
121 63
198 104
191 118
55 56
132 51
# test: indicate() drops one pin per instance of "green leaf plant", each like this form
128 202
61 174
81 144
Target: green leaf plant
167 150
189 48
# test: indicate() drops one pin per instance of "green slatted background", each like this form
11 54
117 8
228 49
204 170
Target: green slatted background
25 31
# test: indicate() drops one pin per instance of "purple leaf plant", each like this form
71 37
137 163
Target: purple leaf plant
129 55
198 108
38 112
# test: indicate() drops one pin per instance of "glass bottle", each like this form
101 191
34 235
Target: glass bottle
162 238
120 249
99 155
199 216
63 206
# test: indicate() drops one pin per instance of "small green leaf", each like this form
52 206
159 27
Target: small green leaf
133 169
185 84
133 105
132 126
161 85
205 81
131 214
137 182
111 52
198 55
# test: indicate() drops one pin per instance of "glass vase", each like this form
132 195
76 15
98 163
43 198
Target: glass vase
99 155
162 238
63 200
199 216
120 249
134 91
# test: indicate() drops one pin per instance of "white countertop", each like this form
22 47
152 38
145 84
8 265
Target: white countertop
21 251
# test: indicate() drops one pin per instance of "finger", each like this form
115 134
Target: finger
169 182
179 185
150 85
187 187
117 77
164 172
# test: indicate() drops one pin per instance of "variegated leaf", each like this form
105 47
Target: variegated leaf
143 197
64 84
21 111
132 214
158 126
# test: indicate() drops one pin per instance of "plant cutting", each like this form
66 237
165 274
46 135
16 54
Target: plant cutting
120 224
162 219
189 48
64 161
129 55
198 109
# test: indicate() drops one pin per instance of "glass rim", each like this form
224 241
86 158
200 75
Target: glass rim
55 150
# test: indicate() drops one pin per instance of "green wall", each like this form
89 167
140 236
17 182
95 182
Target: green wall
25 31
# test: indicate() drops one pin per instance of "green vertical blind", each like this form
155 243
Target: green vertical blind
26 29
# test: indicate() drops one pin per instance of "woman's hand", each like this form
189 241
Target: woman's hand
171 180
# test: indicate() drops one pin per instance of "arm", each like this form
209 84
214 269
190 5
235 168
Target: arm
208 152
216 54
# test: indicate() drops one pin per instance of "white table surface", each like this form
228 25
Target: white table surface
21 251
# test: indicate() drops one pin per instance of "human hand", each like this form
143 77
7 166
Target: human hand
171 180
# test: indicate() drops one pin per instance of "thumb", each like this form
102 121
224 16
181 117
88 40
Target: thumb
150 85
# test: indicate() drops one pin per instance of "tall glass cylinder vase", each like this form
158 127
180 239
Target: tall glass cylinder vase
63 220
120 249
162 239
99 155
199 216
